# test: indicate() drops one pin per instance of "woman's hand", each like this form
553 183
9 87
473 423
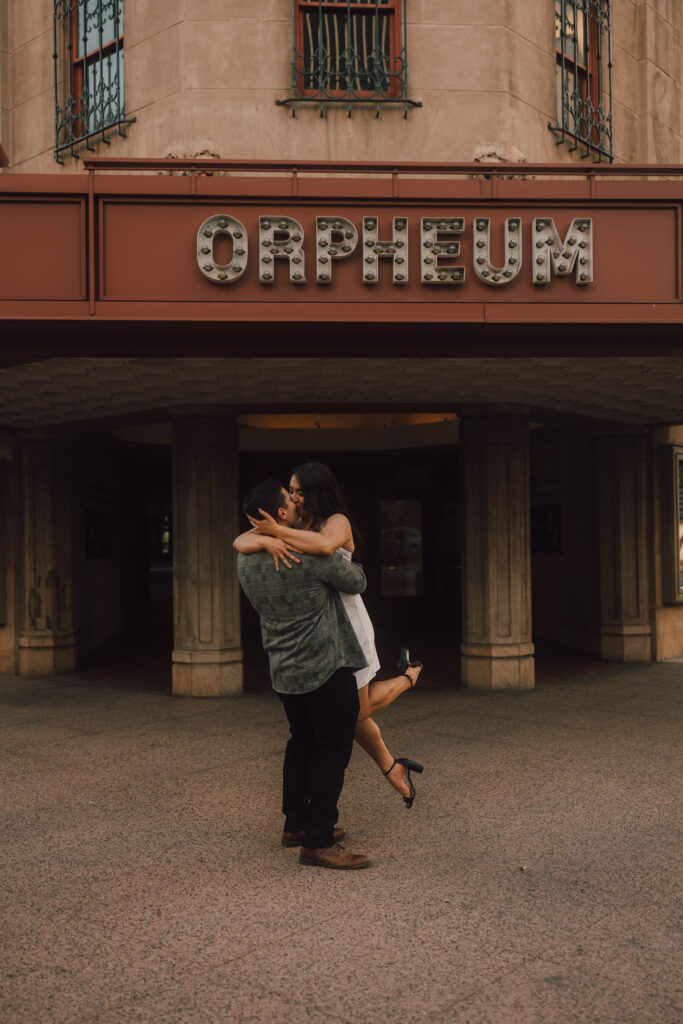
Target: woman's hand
266 527
280 550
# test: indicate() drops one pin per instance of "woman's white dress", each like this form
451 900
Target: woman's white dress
362 627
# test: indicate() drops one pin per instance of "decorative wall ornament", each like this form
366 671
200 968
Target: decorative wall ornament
500 153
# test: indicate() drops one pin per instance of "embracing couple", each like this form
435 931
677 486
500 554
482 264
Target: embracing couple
321 650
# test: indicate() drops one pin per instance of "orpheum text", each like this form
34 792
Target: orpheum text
281 240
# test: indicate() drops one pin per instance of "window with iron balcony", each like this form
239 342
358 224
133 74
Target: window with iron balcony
349 52
583 47
88 65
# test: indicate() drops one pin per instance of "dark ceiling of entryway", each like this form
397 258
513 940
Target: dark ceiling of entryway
68 390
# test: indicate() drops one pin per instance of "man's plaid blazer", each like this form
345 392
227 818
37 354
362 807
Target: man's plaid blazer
304 627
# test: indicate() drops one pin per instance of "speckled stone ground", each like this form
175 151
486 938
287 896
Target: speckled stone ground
535 881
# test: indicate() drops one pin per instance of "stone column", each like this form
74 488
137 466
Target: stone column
207 656
47 641
11 551
625 629
497 651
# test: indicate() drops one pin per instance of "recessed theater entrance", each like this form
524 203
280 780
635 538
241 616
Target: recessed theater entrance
139 653
399 474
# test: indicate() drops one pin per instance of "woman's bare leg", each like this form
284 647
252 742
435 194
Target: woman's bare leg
370 739
381 692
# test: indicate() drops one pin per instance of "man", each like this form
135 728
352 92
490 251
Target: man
312 650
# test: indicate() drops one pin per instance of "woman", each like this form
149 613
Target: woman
323 528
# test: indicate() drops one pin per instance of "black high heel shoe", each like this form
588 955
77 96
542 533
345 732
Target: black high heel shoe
410 766
404 662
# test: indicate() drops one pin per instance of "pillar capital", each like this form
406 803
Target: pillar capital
494 410
495 429
210 431
54 454
54 434
618 431
8 444
203 412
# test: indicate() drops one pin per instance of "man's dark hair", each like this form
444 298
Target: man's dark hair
267 496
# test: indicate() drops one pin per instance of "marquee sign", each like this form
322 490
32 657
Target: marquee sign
281 239
232 250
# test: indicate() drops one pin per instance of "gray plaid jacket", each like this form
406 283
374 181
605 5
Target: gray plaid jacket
304 627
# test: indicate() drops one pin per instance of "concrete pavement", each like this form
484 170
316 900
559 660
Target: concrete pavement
535 880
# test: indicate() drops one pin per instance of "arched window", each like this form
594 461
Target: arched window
88 53
584 75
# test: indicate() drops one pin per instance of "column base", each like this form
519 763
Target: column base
47 654
498 666
207 673
626 643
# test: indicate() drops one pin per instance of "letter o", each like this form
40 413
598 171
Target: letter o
222 224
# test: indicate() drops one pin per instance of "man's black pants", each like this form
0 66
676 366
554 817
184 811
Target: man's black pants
322 724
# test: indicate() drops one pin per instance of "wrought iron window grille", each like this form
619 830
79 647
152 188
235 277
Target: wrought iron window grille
88 74
584 83
349 52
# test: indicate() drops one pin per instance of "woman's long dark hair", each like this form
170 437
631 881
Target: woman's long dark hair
321 491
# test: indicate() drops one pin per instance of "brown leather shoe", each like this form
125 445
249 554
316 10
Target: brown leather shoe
297 838
334 857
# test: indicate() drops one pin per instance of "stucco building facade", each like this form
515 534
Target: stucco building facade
204 77
483 205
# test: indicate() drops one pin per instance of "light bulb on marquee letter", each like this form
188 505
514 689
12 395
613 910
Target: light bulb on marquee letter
281 238
553 256
396 250
483 267
433 250
335 239
222 224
